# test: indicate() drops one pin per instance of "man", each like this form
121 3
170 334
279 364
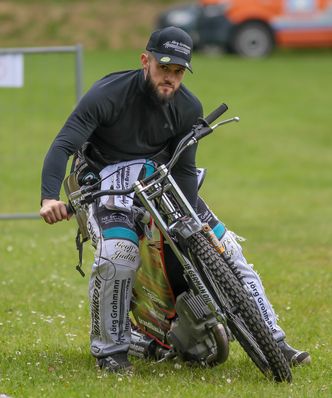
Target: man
123 120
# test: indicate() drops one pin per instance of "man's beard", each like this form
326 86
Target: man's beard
152 91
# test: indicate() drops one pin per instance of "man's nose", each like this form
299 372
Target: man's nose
169 75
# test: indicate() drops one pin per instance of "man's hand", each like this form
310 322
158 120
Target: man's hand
53 211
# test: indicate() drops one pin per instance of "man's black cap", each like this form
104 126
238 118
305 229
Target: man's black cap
171 45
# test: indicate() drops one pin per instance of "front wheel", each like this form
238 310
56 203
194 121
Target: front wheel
243 317
253 39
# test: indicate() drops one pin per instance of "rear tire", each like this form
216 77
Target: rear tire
253 39
244 318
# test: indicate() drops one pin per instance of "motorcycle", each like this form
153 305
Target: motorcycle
216 307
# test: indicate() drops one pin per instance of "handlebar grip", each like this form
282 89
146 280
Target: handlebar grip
70 209
216 113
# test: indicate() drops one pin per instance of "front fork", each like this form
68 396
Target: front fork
159 198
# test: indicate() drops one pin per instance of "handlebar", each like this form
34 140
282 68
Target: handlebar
216 113
199 131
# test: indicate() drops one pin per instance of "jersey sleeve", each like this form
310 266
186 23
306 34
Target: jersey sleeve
93 110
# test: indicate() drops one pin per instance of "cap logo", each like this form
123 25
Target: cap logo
178 46
165 59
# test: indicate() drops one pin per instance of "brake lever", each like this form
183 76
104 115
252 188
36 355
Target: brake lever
233 119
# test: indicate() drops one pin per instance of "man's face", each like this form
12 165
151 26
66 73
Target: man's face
164 79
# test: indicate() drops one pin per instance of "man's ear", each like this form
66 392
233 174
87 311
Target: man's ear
145 62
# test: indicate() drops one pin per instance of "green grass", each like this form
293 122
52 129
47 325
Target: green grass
269 179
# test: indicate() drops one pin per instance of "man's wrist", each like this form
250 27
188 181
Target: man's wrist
44 201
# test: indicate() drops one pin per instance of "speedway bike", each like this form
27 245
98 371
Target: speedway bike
216 307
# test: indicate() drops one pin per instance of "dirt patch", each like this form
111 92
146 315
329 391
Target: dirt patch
98 24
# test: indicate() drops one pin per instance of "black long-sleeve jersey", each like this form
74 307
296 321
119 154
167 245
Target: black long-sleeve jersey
118 117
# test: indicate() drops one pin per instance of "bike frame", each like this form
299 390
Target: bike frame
158 197
216 306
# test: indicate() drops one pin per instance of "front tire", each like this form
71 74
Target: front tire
243 317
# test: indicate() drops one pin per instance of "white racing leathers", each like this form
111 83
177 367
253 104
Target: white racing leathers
112 231
230 241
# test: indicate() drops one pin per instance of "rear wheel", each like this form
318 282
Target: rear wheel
253 39
243 317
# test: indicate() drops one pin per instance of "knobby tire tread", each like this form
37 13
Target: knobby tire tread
246 307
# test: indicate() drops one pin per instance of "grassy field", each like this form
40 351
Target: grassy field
269 179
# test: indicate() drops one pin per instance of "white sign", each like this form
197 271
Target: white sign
11 70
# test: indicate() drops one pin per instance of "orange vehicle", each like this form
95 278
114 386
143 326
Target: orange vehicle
254 27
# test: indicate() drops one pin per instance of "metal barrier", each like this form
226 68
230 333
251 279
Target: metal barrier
78 51
20 216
